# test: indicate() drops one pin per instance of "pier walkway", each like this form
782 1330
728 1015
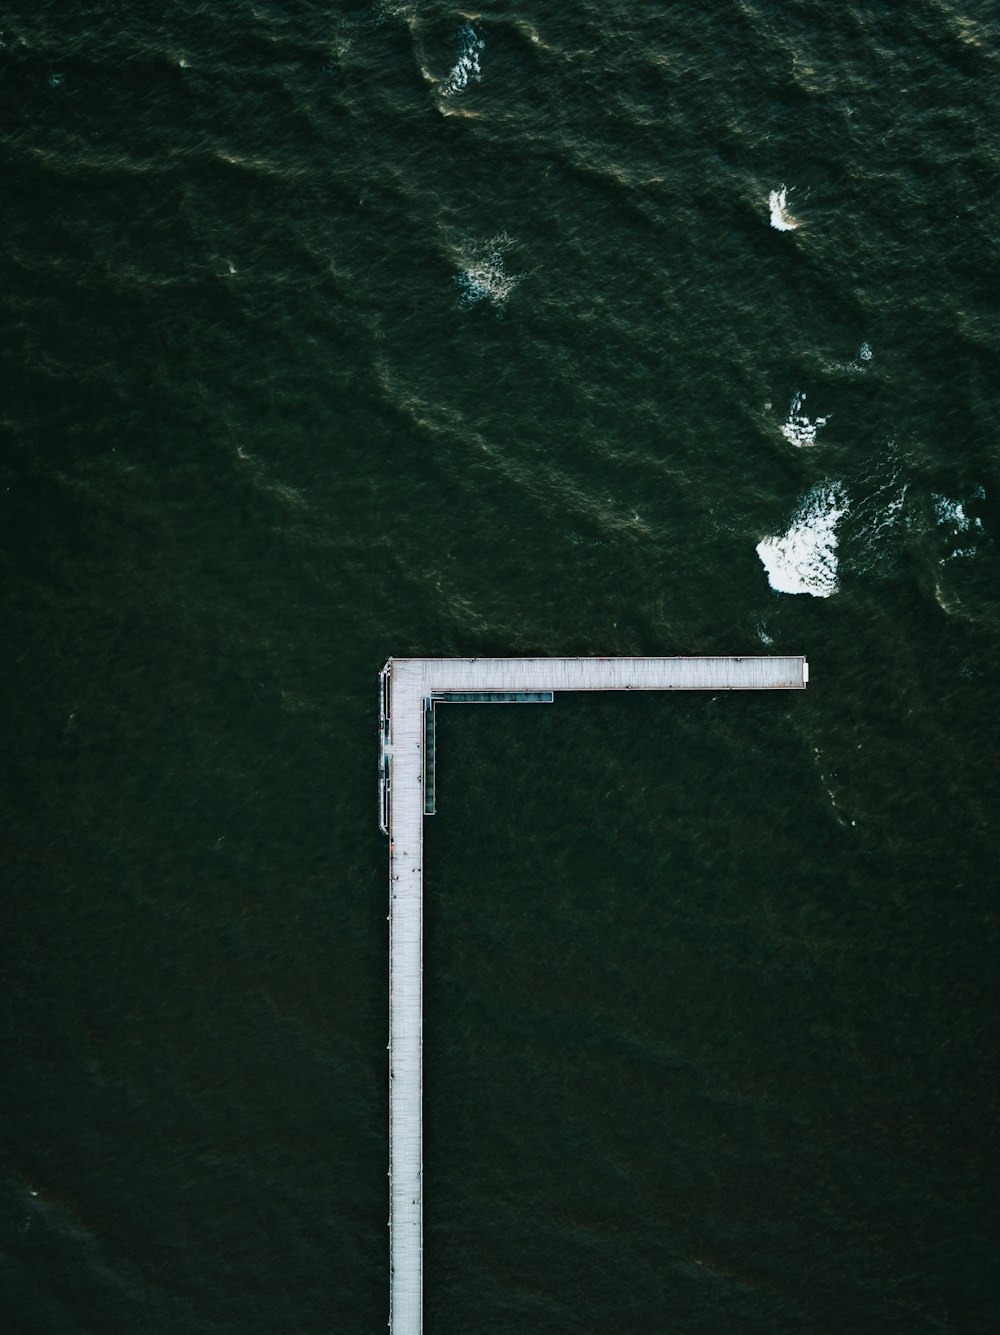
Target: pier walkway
410 690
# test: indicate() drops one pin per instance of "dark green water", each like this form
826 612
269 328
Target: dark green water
323 344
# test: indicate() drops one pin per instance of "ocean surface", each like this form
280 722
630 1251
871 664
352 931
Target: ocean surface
337 333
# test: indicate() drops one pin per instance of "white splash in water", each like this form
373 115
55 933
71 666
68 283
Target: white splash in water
483 276
467 67
780 217
804 558
865 352
798 428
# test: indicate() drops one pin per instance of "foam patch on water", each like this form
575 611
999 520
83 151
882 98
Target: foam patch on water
781 219
803 559
467 68
484 276
862 357
798 428
952 516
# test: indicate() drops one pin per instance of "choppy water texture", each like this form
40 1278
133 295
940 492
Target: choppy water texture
335 333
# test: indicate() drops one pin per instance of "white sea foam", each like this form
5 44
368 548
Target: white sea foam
862 357
798 428
803 559
483 275
951 514
780 217
470 44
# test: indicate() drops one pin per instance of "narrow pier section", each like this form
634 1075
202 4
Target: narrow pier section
409 690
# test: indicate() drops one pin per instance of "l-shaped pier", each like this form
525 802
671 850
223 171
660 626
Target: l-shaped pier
410 691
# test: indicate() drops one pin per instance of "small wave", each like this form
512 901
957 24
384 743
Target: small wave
798 428
804 558
470 44
781 219
483 275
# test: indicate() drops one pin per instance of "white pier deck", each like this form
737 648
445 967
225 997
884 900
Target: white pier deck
406 684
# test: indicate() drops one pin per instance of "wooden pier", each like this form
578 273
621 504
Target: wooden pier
410 690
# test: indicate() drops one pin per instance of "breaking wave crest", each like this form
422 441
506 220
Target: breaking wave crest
466 68
483 275
781 219
798 428
803 559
